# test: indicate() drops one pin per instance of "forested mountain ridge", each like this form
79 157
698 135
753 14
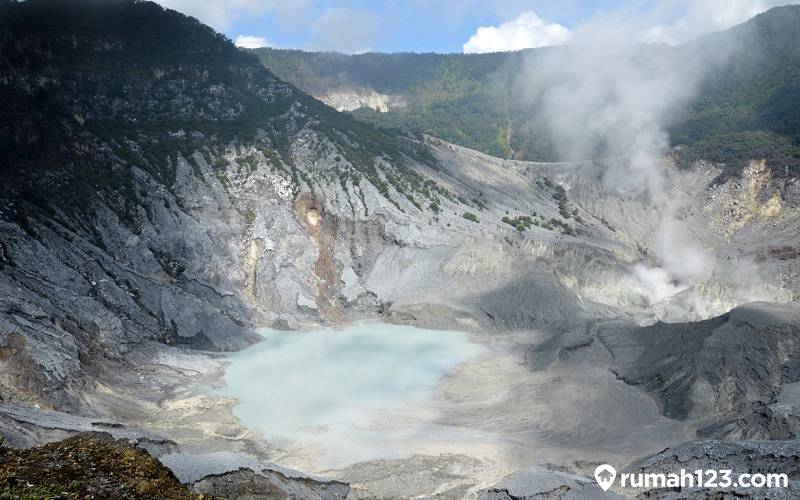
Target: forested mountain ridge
749 106
462 98
746 107
139 84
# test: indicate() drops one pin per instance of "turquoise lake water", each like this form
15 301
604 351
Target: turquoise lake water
354 387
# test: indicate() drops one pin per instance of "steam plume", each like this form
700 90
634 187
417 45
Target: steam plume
605 98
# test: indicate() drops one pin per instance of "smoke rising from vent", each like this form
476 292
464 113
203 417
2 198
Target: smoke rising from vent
678 252
606 99
655 282
613 101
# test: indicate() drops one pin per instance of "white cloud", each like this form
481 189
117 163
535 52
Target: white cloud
525 32
704 16
251 42
222 14
345 30
219 14
337 29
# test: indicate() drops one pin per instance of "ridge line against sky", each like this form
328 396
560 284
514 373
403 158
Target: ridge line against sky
470 26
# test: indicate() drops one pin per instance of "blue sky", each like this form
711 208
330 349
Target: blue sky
353 26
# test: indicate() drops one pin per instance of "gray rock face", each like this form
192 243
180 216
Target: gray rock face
718 365
760 420
746 457
352 98
239 475
211 262
268 485
537 482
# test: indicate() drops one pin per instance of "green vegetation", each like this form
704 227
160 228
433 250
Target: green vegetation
467 99
560 195
89 465
479 202
520 222
748 107
523 222
565 227
151 60
470 217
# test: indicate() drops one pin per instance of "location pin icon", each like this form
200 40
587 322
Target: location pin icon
604 475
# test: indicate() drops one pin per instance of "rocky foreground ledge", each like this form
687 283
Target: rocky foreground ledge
96 465
88 465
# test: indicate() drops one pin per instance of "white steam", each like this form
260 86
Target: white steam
605 99
678 252
681 261
655 282
609 100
